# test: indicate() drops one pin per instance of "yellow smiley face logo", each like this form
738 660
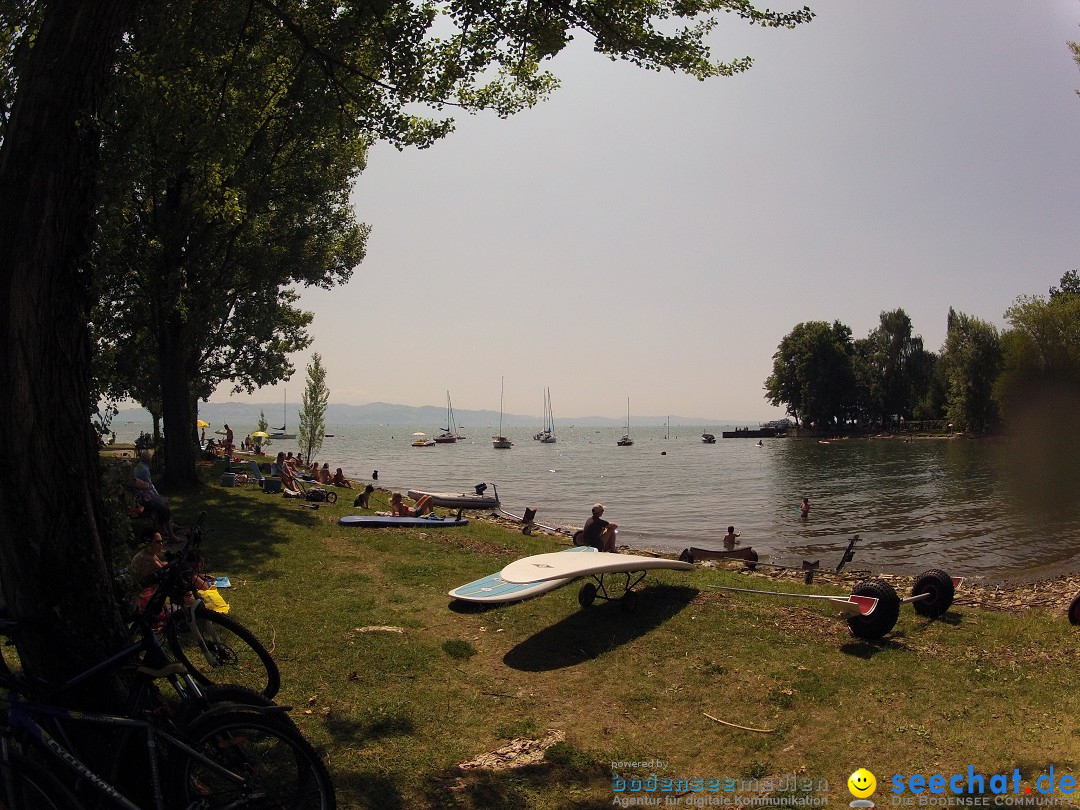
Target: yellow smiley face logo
861 783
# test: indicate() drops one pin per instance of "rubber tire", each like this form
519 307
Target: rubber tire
258 672
37 788
1074 610
331 496
940 585
278 762
629 601
218 699
587 595
883 619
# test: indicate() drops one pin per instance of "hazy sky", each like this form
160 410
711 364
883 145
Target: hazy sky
646 235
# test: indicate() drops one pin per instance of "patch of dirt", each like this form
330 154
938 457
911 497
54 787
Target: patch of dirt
517 753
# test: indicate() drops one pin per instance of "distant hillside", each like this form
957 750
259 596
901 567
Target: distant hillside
243 415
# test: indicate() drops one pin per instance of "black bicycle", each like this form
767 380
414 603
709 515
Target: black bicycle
215 648
210 753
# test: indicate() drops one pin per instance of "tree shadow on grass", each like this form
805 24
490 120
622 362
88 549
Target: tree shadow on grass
593 631
367 789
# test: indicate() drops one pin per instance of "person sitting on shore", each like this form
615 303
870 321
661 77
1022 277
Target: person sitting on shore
340 480
730 539
279 463
150 499
148 559
599 533
289 487
400 509
324 474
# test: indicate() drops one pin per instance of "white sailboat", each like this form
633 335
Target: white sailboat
626 441
281 432
500 442
547 435
450 434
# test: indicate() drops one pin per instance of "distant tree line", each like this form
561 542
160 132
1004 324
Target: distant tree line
981 377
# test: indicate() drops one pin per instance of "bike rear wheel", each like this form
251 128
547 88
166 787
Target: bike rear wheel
269 766
221 651
26 785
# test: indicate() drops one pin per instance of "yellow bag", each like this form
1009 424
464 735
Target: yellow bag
213 599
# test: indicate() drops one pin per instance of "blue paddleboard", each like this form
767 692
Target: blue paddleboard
493 589
387 521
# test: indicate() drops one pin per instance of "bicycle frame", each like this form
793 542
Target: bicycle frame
21 718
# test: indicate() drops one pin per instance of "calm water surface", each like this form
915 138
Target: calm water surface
964 506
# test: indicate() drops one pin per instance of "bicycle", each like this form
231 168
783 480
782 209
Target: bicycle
223 756
216 649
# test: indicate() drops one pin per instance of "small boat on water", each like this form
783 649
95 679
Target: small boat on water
500 442
708 438
547 433
282 432
626 441
420 439
450 434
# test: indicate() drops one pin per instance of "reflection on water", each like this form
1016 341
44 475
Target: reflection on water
966 506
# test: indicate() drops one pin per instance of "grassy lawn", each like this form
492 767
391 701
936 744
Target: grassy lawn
399 687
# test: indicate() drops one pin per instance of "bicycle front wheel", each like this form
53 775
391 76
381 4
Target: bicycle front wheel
25 784
219 651
252 761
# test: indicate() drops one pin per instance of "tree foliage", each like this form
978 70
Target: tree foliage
228 188
812 373
972 362
313 408
1042 349
894 368
376 61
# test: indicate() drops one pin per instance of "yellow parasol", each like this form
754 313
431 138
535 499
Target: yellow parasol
260 434
202 424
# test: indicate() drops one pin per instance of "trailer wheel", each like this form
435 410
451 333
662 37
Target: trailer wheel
1074 610
884 617
587 595
940 587
629 601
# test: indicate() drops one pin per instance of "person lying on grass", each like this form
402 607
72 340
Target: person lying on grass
399 509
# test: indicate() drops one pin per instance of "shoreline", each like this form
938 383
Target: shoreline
1003 593
1009 596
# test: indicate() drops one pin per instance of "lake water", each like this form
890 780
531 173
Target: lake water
970 507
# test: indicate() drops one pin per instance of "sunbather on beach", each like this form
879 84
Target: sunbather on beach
340 480
399 509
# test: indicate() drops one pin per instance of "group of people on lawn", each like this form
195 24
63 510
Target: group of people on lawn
290 469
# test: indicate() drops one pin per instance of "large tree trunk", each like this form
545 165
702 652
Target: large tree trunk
54 558
176 402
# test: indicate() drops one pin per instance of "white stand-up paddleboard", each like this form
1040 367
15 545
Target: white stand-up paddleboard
493 589
541 567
